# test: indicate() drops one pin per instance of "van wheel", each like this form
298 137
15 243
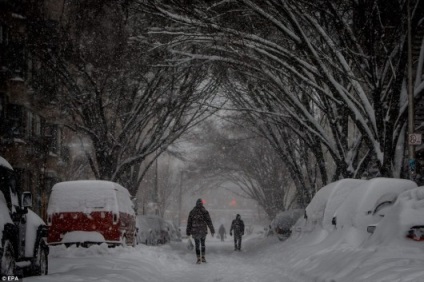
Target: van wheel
7 259
40 265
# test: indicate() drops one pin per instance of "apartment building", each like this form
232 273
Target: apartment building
29 139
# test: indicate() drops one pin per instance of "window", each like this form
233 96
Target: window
4 36
15 114
53 132
29 125
2 106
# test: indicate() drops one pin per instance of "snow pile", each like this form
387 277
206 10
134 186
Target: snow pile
83 236
349 253
88 196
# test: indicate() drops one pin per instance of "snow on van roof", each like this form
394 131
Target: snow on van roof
5 163
88 196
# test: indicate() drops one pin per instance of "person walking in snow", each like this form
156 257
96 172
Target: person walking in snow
197 226
222 232
238 227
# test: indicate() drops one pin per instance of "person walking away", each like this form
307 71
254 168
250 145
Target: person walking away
238 227
197 226
222 232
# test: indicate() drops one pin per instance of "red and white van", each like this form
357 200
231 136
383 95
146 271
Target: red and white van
85 212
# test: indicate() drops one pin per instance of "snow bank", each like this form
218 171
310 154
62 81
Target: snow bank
83 236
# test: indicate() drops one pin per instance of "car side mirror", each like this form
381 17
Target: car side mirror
26 199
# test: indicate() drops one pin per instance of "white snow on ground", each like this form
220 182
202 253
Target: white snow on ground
263 259
316 251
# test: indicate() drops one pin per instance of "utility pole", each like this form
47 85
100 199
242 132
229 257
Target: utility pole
180 198
156 193
411 121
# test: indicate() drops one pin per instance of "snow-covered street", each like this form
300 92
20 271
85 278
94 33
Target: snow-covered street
262 259
171 262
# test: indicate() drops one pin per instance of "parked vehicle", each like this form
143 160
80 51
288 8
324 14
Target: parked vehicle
152 230
319 214
24 250
88 212
283 222
174 231
403 221
416 233
368 204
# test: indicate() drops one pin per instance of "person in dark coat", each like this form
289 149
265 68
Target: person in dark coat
197 226
238 227
222 232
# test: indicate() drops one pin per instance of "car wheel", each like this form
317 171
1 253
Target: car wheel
41 265
8 259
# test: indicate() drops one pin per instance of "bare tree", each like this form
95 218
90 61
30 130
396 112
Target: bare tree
309 53
228 152
130 98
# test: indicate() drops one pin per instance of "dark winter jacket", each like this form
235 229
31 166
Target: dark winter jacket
237 226
198 221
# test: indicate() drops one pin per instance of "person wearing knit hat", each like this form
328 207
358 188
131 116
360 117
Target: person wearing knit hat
197 226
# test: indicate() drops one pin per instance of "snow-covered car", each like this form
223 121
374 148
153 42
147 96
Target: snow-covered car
86 212
283 222
152 230
404 221
367 204
23 250
174 231
320 211
382 205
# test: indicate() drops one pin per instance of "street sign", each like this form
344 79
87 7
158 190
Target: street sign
414 139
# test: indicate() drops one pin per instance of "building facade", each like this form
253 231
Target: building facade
29 139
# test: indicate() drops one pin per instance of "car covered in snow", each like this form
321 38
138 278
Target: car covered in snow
23 249
152 230
85 212
284 221
320 211
174 231
404 221
367 204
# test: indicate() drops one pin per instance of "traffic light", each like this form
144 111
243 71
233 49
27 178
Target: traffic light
233 203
